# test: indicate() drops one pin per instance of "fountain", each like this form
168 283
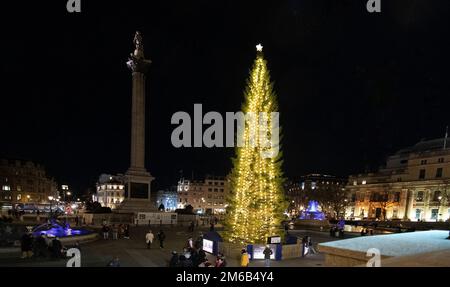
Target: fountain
312 212
62 230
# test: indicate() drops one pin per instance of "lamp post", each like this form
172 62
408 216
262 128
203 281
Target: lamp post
68 195
50 198
439 207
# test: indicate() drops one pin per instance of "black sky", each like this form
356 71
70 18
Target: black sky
353 87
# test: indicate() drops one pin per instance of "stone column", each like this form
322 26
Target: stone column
138 186
138 122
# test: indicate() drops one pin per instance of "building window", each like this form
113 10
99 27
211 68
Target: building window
353 197
6 187
439 172
19 197
418 213
434 213
423 162
394 213
419 197
397 197
441 160
404 161
364 182
209 189
422 174
355 182
436 196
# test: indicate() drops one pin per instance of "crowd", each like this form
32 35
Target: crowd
117 231
193 255
42 246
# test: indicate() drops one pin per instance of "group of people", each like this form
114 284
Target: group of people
149 237
117 231
336 231
366 231
191 257
42 246
307 246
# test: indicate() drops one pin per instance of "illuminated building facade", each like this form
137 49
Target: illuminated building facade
24 182
207 196
414 185
110 190
168 198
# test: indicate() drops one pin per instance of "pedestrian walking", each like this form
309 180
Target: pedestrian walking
161 238
267 253
149 239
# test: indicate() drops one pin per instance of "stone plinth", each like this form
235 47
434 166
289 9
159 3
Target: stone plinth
352 252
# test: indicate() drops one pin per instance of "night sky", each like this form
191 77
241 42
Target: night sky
353 87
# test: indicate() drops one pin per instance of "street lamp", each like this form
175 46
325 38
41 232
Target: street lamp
439 207
51 199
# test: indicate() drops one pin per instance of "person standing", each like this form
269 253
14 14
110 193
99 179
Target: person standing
267 253
191 226
115 232
174 262
161 238
149 239
126 231
244 258
26 245
121 231
114 262
105 230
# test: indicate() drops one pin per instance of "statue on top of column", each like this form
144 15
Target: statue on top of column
139 50
136 61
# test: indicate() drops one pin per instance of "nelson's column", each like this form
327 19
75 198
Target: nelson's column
138 179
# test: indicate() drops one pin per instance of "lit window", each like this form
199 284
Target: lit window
6 187
355 182
364 182
19 197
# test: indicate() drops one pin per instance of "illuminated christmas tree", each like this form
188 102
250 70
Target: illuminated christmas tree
256 204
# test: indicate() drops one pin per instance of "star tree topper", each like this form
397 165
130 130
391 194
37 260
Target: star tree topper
259 47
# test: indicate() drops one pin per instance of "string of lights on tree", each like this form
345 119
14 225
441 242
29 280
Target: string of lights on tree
256 202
